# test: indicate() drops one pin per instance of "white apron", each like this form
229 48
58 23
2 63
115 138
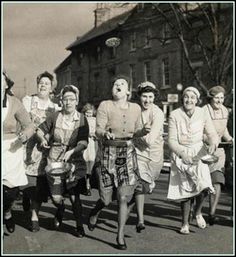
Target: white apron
187 181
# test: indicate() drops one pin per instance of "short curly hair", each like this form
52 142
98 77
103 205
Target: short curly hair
89 106
44 74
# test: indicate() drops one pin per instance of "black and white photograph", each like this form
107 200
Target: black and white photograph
117 128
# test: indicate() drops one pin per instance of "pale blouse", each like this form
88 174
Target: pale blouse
185 131
122 122
151 145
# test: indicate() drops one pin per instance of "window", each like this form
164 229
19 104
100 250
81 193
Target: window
133 41
112 52
132 69
96 84
197 48
98 55
79 58
165 72
166 33
147 71
148 36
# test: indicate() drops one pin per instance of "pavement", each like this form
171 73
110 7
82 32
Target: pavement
161 236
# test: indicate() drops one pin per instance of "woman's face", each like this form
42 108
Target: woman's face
147 99
189 101
217 101
69 102
44 87
120 89
89 113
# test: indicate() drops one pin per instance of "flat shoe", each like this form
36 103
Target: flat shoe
35 226
200 221
211 220
58 217
10 225
184 230
140 227
80 231
121 246
91 226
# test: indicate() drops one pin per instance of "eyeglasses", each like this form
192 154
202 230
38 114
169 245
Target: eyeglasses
68 99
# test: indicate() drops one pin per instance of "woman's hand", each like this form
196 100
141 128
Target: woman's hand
146 128
109 135
186 159
68 155
44 144
212 148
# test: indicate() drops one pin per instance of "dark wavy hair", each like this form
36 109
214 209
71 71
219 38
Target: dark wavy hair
44 74
121 76
89 106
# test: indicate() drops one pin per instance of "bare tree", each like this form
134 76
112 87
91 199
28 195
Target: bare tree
208 26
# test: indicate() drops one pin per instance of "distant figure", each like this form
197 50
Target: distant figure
17 129
90 153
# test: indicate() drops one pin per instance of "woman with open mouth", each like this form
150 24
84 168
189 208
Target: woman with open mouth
116 164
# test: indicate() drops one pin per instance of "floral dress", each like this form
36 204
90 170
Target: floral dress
38 113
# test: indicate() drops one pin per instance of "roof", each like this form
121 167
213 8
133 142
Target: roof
104 28
64 63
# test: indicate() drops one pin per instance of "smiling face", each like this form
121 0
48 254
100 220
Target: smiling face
147 99
217 101
69 102
189 100
44 87
120 89
89 113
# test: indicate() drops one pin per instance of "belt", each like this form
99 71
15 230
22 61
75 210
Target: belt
117 142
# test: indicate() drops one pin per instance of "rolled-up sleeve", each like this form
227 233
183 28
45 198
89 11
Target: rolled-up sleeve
156 128
23 118
173 141
209 130
101 119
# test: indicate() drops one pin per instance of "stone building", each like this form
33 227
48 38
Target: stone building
147 50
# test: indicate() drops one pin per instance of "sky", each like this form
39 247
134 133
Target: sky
35 35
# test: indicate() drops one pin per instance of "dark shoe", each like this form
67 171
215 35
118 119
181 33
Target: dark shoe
35 226
121 246
10 225
211 220
26 203
88 192
80 231
91 226
58 217
140 227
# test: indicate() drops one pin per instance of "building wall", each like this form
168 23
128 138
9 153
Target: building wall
93 67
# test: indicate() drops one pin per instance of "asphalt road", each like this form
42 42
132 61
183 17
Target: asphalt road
161 236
